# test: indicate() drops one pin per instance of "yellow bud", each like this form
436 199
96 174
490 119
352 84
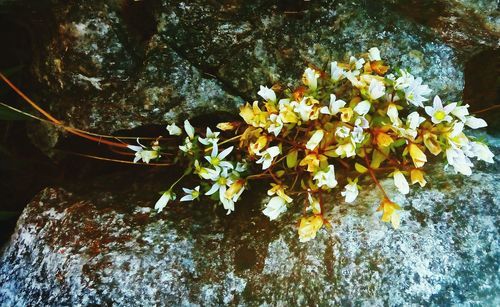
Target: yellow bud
431 142
309 226
418 176
246 112
389 212
227 126
417 155
234 188
258 145
384 140
346 114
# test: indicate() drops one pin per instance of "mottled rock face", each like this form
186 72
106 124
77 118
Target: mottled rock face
113 65
99 246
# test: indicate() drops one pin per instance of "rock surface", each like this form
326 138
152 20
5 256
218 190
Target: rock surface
113 65
98 246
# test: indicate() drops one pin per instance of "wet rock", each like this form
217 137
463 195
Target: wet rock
101 77
113 65
246 45
95 245
470 26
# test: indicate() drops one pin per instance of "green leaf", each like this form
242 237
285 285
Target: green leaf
291 158
360 168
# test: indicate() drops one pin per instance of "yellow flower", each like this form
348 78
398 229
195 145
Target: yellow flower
346 115
256 147
227 126
418 176
431 142
313 162
417 155
309 226
235 189
384 140
279 189
389 212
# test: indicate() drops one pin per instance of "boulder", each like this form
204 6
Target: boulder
99 244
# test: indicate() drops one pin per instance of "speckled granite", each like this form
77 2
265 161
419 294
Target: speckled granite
71 248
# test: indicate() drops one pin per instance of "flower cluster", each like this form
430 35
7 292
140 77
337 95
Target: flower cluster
356 120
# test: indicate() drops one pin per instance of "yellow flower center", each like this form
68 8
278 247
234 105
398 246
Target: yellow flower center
440 115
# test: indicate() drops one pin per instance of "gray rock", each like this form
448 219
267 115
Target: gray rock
98 245
104 70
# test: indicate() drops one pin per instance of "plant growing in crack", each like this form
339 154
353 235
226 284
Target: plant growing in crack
357 117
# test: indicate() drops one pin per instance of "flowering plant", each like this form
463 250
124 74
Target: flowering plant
358 117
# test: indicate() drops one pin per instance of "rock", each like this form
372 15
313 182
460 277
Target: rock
469 26
262 43
99 77
98 245
114 65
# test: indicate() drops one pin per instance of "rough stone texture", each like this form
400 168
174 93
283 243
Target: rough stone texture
112 65
100 246
471 26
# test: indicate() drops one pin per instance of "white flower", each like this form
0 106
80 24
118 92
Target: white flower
342 131
401 183
315 139
475 122
352 77
351 192
276 124
393 114
217 159
164 199
191 194
438 113
173 129
337 73
374 54
479 150
461 112
267 156
335 106
206 173
348 150
414 120
376 89
357 135
220 184
363 107
459 161
404 81
189 129
314 204
141 153
303 109
310 78
275 207
456 129
416 91
188 145
326 177
210 137
357 64
361 122
267 93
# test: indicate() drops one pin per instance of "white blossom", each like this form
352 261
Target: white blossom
275 207
267 93
438 112
326 177
350 192
267 156
374 54
173 129
400 182
335 106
